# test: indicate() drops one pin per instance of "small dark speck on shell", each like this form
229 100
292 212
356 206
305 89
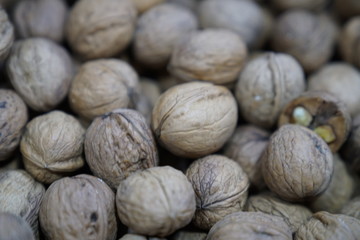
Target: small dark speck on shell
93 217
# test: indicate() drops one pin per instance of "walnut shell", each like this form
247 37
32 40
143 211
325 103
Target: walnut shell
144 5
351 149
146 98
194 119
7 35
303 4
221 188
52 146
156 201
349 41
40 71
80 207
183 235
352 208
13 117
297 164
13 227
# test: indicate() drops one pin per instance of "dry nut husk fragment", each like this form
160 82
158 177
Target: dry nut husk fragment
13 227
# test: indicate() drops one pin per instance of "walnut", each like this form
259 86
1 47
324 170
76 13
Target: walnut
297 164
267 83
214 55
144 5
351 149
150 89
123 138
352 208
156 201
7 34
101 86
79 207
194 119
13 117
21 195
349 41
13 227
221 188
303 4
96 30
52 146
41 72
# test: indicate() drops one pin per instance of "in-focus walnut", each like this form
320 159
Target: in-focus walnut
297 164
122 138
340 79
214 55
194 119
41 18
184 235
309 37
250 225
349 41
96 30
79 207
321 112
351 149
21 195
41 72
352 208
144 5
221 188
159 30
246 147
101 86
13 117
13 227
267 83
6 36
52 146
347 8
327 226
303 4
156 201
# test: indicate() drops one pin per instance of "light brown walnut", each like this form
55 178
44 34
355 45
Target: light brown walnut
13 227
7 34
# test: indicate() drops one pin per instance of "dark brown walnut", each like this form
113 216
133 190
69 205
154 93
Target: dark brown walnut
327 226
213 55
351 149
13 117
41 72
303 4
118 144
79 207
250 225
41 18
221 188
101 86
297 164
246 147
6 36
267 83
13 227
183 235
347 8
350 41
156 201
52 146
21 195
194 119
294 215
321 112
130 236
352 208
307 36
144 5
103 30
340 79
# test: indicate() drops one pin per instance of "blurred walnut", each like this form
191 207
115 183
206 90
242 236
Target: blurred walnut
6 36
352 208
41 72
80 207
303 4
13 227
351 149
349 41
183 235
144 5
347 8
150 89
221 188
52 146
156 201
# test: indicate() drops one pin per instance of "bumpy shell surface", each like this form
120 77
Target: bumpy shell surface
52 146
221 188
297 164
80 207
7 34
156 201
13 227
352 208
13 117
194 119
144 5
350 43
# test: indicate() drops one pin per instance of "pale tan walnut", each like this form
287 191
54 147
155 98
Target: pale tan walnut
221 188
267 83
100 30
304 4
349 41
340 79
159 30
13 227
41 18
21 195
347 8
41 72
101 86
6 36
250 225
184 235
144 5
79 207
214 55
194 119
297 164
352 208
327 226
156 201
130 236
52 146
13 117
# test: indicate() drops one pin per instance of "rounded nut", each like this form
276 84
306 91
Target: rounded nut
13 227
6 36
349 41
352 208
156 201
194 119
144 5
221 188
